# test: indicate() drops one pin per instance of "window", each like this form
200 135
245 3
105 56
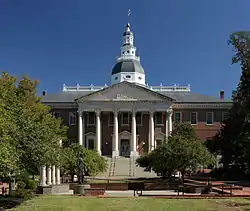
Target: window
177 117
138 118
111 118
128 76
224 115
91 118
210 118
72 141
127 51
194 118
56 114
125 118
72 118
139 78
116 78
158 118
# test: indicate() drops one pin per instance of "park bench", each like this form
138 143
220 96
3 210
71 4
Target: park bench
140 187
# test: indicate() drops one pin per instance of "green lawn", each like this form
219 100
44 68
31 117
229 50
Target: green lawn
74 203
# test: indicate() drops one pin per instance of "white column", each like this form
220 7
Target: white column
80 128
83 129
151 131
115 151
166 125
58 177
53 175
133 151
98 132
49 175
170 124
43 176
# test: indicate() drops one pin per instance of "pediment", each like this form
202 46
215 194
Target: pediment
125 133
125 91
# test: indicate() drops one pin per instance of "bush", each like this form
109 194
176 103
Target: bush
94 163
21 185
23 193
31 185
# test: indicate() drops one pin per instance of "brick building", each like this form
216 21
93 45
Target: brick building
129 117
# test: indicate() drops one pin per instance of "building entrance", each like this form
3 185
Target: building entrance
124 147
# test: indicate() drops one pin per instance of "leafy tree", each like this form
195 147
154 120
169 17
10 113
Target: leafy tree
184 129
233 138
182 152
26 125
9 160
94 163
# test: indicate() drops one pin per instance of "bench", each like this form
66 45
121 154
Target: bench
139 187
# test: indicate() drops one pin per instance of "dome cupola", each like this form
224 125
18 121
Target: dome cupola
128 66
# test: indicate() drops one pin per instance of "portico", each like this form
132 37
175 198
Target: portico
118 99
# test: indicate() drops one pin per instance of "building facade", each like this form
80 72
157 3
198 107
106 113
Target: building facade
129 117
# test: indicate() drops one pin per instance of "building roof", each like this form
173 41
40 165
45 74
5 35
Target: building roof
178 96
128 66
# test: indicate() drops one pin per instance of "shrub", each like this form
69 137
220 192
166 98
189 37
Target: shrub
23 193
31 184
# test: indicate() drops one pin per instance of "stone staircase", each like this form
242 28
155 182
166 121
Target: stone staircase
124 167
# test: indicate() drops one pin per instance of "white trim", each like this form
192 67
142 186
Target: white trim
94 119
155 119
210 112
74 114
127 136
203 105
159 136
90 136
110 118
191 117
56 114
175 112
129 116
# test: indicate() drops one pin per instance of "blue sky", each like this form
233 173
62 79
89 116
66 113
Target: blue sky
77 41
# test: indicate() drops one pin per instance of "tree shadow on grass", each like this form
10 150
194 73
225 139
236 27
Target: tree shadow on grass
8 202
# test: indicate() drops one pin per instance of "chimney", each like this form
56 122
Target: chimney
222 94
43 93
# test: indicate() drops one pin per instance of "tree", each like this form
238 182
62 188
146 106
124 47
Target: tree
26 125
8 161
182 152
94 163
233 138
184 129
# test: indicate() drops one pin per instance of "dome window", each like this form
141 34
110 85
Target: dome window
128 76
139 78
127 51
116 78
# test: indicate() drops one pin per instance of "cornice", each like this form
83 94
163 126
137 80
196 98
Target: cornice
227 105
62 105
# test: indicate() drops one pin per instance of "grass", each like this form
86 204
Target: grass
75 203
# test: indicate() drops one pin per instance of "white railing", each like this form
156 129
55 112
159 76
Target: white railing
160 88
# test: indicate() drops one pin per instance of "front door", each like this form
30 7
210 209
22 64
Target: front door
124 148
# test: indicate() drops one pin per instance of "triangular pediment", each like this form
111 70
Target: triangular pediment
125 133
125 91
